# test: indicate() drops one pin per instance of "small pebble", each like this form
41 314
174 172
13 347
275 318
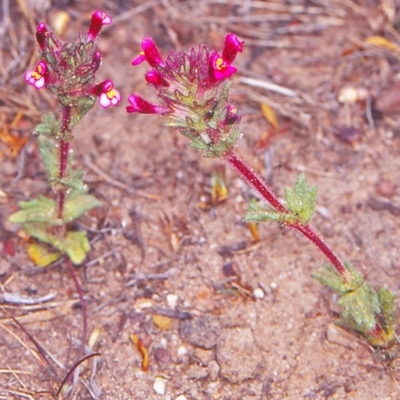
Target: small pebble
273 285
386 188
162 322
160 385
181 397
161 355
172 300
182 351
258 293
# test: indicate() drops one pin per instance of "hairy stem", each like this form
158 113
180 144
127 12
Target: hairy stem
267 194
64 146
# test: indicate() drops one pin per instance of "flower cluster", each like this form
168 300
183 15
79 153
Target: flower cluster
193 90
69 70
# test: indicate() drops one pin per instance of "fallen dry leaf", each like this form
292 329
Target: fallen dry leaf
142 350
380 41
269 115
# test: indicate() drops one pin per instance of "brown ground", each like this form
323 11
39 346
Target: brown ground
161 240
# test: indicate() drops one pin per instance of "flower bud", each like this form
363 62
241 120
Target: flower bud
155 78
149 53
232 46
41 35
140 105
99 18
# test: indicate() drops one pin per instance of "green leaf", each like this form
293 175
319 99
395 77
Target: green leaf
77 203
50 158
49 126
257 213
361 305
328 276
388 308
41 210
73 179
51 161
76 245
301 200
198 144
41 232
359 300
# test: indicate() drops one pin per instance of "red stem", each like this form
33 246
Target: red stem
262 188
63 157
82 301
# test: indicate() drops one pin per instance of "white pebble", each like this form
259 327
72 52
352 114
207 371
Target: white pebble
258 293
172 300
160 385
182 351
273 285
181 397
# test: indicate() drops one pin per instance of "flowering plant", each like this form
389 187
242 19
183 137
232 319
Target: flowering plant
193 90
68 71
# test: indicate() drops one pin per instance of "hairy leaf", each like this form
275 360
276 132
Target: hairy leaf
50 158
40 210
49 126
301 200
361 305
77 204
76 245
388 308
257 213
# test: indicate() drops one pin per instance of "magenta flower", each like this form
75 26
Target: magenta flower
149 53
37 78
221 65
232 46
99 18
41 35
108 96
220 68
193 89
140 105
155 78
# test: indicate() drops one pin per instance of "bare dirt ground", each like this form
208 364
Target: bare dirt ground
161 248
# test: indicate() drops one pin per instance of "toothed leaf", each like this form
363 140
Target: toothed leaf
49 126
50 158
77 203
257 213
301 200
76 245
41 210
361 305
